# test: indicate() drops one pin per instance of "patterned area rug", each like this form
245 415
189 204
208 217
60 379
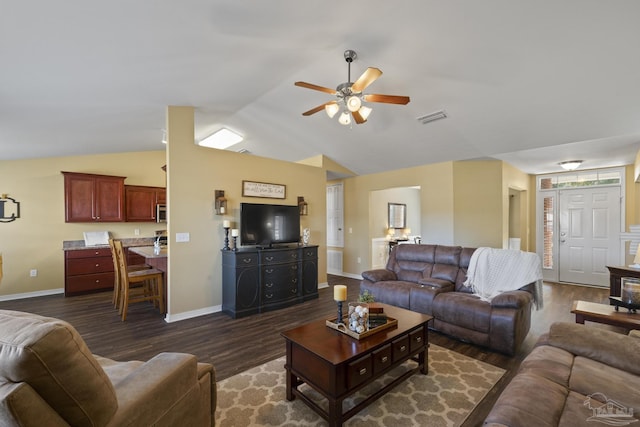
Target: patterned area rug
445 397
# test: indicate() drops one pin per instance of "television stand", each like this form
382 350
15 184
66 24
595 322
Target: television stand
256 280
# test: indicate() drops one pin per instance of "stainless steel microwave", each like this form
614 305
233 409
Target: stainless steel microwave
161 213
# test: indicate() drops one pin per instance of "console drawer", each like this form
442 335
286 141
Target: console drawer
400 348
382 358
417 339
359 371
278 257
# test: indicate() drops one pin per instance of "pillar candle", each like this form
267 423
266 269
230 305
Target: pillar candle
226 223
234 232
340 293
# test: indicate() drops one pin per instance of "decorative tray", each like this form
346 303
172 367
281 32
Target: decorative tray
391 322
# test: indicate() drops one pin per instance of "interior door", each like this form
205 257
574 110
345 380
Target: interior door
589 237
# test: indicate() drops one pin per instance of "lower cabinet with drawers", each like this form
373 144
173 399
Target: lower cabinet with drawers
256 280
88 270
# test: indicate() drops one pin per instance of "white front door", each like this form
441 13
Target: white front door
589 234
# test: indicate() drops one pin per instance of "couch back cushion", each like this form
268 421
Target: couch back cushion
465 258
50 356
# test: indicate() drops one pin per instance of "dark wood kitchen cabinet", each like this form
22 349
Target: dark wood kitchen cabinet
141 202
93 198
88 270
256 280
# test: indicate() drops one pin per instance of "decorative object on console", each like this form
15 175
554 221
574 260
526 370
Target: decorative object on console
306 234
350 97
9 212
226 224
358 317
339 295
234 235
221 202
303 206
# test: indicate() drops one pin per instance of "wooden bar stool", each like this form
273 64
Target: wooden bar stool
116 269
138 286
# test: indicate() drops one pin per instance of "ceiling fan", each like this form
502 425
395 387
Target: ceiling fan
350 97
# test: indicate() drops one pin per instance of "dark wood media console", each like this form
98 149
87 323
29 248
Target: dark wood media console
255 280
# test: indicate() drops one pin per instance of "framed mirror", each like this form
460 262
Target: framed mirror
397 215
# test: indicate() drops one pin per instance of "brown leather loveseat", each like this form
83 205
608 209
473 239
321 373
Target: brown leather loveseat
429 279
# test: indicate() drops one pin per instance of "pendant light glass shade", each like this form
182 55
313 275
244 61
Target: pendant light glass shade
353 103
364 112
345 118
331 109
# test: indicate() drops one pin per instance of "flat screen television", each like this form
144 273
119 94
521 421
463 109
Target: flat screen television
267 225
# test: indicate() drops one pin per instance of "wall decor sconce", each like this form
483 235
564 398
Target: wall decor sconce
303 207
9 212
221 202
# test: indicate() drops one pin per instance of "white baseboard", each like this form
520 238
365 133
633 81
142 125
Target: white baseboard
349 275
170 318
31 294
323 285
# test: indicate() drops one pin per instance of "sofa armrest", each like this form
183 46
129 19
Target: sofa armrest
21 405
512 299
153 390
610 348
379 275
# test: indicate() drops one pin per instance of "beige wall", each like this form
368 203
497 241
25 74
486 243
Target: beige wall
194 173
34 241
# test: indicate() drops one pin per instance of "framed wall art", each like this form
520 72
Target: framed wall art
263 189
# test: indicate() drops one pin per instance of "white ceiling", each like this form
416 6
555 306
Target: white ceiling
529 82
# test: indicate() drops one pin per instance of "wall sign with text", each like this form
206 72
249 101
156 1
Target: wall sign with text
263 189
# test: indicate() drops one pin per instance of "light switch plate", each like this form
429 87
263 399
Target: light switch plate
182 237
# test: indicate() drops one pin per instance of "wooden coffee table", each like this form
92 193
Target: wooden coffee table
607 314
337 365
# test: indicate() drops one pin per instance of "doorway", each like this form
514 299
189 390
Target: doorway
579 218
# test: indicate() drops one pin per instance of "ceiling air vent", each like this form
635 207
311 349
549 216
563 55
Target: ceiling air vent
437 115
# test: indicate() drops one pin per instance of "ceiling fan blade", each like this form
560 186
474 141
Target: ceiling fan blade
387 99
369 76
318 108
357 117
316 87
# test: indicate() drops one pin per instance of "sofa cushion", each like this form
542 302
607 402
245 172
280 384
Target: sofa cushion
50 356
464 310
605 346
394 292
549 362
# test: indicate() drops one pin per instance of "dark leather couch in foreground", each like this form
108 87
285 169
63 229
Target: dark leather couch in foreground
576 375
429 279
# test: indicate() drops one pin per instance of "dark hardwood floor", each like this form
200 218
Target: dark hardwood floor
234 345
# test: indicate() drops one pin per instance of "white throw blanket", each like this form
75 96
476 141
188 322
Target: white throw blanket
493 271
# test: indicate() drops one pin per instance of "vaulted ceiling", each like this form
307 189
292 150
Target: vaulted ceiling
529 82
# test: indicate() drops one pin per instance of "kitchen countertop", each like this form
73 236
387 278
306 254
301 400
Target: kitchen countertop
75 245
148 252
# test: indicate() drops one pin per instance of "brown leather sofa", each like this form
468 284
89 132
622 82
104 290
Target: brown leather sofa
48 377
429 279
576 375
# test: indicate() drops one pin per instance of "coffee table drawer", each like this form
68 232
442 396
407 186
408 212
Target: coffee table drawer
400 348
416 339
359 371
382 359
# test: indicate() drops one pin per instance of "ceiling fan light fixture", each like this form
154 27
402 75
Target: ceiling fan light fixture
331 109
365 111
344 119
570 165
354 103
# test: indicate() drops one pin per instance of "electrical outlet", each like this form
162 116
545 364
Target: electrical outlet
136 231
359 260
182 237
33 273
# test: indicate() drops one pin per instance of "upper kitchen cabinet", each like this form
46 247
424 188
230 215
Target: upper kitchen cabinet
141 202
93 198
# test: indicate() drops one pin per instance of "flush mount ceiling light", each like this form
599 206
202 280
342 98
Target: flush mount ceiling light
350 99
221 139
570 165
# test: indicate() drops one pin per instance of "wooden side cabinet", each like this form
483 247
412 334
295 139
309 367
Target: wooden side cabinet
141 202
88 270
93 198
258 280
